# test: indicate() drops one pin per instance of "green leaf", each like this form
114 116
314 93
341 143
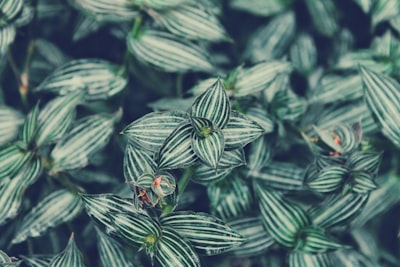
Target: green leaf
208 234
383 10
56 208
328 180
386 46
30 126
271 41
90 135
5 260
99 206
10 121
338 209
192 21
37 260
282 219
303 53
262 118
257 241
120 10
314 240
202 127
71 256
12 158
362 182
111 253
151 130
213 105
383 98
260 153
136 163
209 149
260 7
160 4
351 257
365 161
12 191
240 131
168 53
177 151
324 16
56 118
174 250
10 9
7 36
230 197
99 79
300 259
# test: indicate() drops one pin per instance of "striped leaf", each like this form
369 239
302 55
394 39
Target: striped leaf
262 118
205 175
160 4
257 78
30 126
7 36
99 79
278 85
209 149
56 208
70 256
192 22
282 219
260 7
257 241
300 259
75 149
98 207
230 198
366 58
12 191
260 153
151 130
37 260
338 209
386 46
365 161
25 16
7 261
328 180
303 53
56 118
12 158
352 257
168 53
10 9
323 15
240 131
279 175
213 105
272 40
382 94
10 121
293 106
208 234
136 163
383 10
314 240
120 10
202 126
362 182
174 250
111 253
177 151
86 25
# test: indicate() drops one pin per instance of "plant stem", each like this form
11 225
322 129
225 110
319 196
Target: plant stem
136 27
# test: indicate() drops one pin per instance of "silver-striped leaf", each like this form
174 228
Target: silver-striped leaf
303 53
338 209
257 78
386 46
12 191
191 21
37 260
213 105
329 179
136 163
10 121
282 219
111 252
383 10
30 126
208 234
56 117
315 240
10 9
70 256
240 131
89 135
260 7
202 126
86 25
365 57
177 151
324 16
362 182
257 240
160 4
382 95
12 158
7 261
301 259
174 250
230 198
56 208
262 118
119 10
151 130
271 41
166 52
99 79
260 153
7 36
98 207
279 175
209 149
